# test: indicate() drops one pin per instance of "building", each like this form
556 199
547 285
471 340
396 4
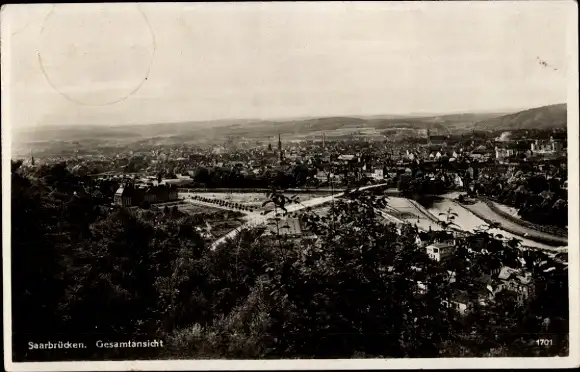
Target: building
132 195
288 228
460 301
556 143
378 174
463 301
123 196
322 176
540 147
502 153
346 158
280 151
520 284
440 251
436 140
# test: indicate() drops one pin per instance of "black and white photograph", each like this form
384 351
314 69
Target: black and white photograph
299 185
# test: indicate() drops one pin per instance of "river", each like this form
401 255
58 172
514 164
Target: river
469 222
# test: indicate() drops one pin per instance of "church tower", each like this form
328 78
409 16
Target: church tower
280 148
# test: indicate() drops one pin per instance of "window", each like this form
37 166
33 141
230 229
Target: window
436 250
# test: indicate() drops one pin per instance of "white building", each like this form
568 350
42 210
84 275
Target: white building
378 174
440 251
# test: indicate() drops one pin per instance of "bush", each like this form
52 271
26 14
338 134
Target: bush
352 292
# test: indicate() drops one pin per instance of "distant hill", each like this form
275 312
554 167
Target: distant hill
546 117
53 139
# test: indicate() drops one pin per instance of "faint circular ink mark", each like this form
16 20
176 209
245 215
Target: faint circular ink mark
52 79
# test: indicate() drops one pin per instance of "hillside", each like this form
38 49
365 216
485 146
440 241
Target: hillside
53 139
546 117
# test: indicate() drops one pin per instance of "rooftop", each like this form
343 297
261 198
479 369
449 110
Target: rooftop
288 226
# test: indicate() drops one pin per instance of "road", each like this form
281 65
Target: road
466 220
256 219
482 209
426 219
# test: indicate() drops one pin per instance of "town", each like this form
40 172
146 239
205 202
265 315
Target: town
488 209
289 182
512 182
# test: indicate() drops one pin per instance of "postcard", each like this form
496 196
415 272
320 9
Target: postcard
290 185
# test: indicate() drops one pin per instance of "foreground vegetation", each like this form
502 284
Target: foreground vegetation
83 272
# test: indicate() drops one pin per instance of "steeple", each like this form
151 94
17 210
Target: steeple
280 149
31 158
279 143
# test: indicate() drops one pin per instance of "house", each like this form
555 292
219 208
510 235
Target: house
502 153
123 196
492 267
322 176
458 181
346 158
515 281
459 301
378 174
288 227
421 239
440 251
463 299
452 276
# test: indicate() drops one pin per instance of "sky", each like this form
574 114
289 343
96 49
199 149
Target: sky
109 64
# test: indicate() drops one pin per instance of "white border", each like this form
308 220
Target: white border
573 360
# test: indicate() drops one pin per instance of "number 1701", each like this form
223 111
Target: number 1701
543 342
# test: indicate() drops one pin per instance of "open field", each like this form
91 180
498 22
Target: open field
221 221
220 228
194 209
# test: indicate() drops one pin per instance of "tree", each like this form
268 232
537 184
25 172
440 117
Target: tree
366 258
358 287
35 258
300 174
449 221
